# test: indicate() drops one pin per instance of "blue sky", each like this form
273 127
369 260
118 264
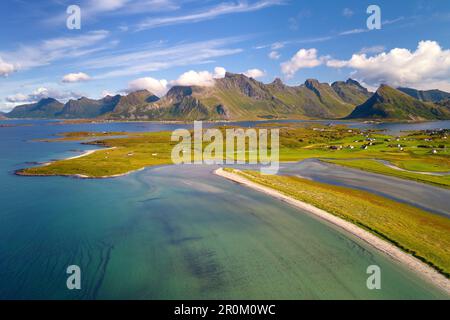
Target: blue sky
124 45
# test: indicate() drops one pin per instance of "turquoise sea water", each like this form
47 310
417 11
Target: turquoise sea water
169 233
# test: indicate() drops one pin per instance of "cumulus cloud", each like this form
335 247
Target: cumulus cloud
6 68
199 78
42 93
194 78
219 72
254 73
429 63
190 78
76 77
19 97
158 87
304 58
274 55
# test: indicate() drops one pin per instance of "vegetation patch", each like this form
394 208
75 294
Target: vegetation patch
421 151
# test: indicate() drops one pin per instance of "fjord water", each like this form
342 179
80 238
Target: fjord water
169 233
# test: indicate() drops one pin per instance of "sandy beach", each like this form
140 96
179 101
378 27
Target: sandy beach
392 251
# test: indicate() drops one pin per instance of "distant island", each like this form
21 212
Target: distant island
237 97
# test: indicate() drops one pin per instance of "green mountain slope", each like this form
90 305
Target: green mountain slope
428 95
130 106
238 97
310 100
390 103
351 91
444 103
45 108
88 108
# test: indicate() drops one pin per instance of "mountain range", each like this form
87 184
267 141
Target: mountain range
427 96
390 103
238 97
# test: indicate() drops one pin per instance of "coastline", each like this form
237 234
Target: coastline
78 176
412 263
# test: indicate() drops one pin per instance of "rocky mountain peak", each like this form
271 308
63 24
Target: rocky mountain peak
312 84
177 93
277 83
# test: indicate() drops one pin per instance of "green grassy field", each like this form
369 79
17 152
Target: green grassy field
130 153
417 151
420 233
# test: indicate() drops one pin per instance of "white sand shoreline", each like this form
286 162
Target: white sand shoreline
412 263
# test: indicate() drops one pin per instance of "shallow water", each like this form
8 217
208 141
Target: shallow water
427 197
170 233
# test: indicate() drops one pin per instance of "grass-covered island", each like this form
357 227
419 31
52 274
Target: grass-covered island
399 230
423 156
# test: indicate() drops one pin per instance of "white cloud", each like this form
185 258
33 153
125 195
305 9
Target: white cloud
213 12
6 68
107 5
219 72
194 78
155 86
429 63
190 78
277 45
155 58
91 9
76 77
120 7
274 55
42 93
347 12
302 59
19 97
353 31
254 73
50 50
386 22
